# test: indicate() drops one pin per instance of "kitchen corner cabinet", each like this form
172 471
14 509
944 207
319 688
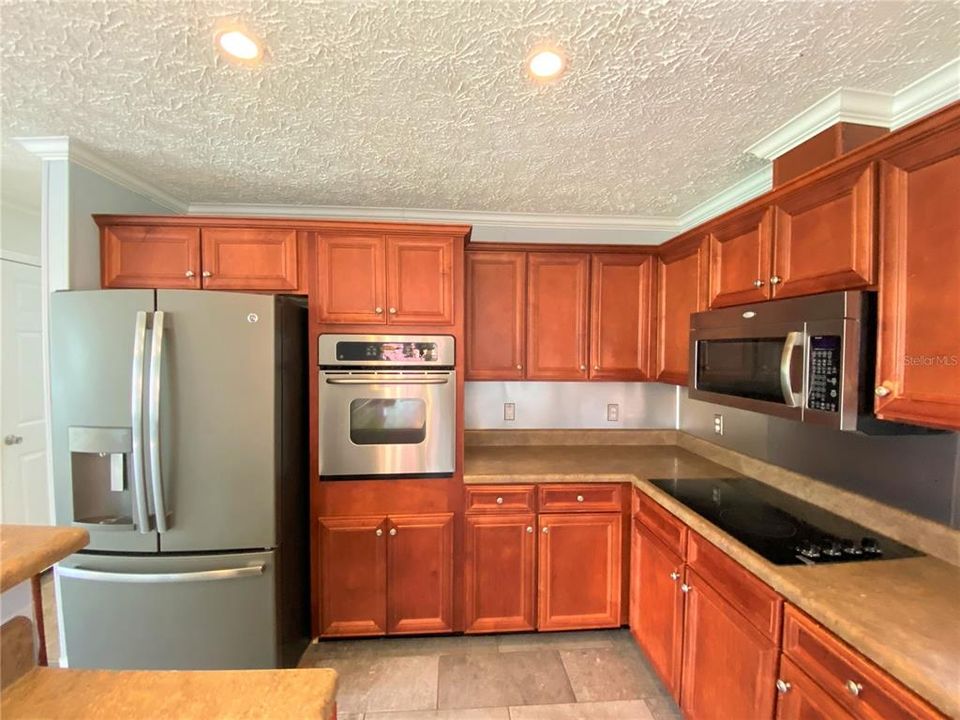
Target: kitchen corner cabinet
621 295
557 293
496 309
918 348
384 279
682 283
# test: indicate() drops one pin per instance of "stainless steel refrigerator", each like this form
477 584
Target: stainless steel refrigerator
179 424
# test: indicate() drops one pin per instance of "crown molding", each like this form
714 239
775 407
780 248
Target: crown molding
931 92
65 148
748 188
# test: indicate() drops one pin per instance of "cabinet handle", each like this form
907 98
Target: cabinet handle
206 273
776 280
378 310
379 532
854 688
529 528
881 391
392 311
393 531
758 283
579 498
674 576
546 530
783 686
686 588
189 273
499 501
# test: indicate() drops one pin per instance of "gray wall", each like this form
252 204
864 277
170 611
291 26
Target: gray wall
917 473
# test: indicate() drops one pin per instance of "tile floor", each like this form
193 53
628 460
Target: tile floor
550 676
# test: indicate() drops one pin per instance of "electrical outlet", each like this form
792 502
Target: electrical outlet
509 412
718 424
613 412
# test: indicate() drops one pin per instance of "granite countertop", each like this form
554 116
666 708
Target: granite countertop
53 693
899 613
26 550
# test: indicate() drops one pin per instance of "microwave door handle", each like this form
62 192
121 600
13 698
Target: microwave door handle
136 420
153 421
793 341
388 381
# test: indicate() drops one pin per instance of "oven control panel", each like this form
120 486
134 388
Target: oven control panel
824 376
397 351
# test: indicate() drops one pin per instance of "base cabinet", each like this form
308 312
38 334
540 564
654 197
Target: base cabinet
420 573
802 699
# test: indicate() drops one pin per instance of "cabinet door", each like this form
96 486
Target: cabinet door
658 624
144 256
729 667
499 587
420 281
350 279
353 576
420 574
557 316
496 306
740 259
918 350
681 291
249 259
800 698
579 571
621 297
825 236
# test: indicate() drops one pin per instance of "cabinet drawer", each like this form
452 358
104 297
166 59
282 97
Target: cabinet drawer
500 498
755 600
586 498
856 683
660 522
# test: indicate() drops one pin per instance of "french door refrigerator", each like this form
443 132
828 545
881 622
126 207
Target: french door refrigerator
179 423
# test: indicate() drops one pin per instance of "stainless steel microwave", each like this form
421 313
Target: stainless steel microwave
809 359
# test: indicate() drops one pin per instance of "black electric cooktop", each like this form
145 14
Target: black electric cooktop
778 526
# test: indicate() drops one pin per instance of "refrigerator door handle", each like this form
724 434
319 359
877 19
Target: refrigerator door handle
153 421
136 420
80 573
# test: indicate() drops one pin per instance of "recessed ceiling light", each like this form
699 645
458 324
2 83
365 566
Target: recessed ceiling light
546 64
239 45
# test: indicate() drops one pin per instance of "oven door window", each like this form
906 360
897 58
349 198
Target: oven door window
398 421
743 368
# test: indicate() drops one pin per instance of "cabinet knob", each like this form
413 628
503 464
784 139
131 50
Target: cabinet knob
519 367
596 367
776 280
529 528
189 273
546 530
583 368
674 576
783 686
579 498
379 532
881 391
499 501
393 531
686 588
758 283
392 311
206 273
378 310
854 688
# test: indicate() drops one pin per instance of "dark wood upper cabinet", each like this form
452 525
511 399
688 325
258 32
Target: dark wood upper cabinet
420 280
621 296
918 349
681 291
496 314
825 235
557 287
150 256
249 259
499 572
740 249
351 279
420 573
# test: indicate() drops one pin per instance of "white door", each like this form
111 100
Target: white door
24 495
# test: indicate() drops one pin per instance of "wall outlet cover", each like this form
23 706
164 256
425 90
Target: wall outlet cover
509 412
717 424
613 412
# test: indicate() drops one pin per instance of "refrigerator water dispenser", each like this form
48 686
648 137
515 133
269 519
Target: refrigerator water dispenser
98 460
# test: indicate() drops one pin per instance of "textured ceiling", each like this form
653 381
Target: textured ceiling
426 105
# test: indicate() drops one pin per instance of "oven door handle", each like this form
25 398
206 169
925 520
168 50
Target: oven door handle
388 381
794 340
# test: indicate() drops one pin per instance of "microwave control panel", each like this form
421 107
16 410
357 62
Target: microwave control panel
824 379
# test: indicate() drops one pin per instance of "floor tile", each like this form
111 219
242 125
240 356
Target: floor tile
406 646
613 673
500 713
557 640
349 716
664 708
514 678
612 710
370 684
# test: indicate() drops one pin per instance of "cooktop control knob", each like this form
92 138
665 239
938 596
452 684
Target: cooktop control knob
851 548
871 546
809 549
832 548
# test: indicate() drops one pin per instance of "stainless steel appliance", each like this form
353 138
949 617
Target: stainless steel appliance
180 432
807 359
387 405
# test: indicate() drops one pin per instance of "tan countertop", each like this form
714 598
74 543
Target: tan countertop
52 693
902 614
26 550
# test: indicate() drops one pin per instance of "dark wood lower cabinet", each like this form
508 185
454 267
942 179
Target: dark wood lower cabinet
499 574
420 574
353 572
800 698
729 667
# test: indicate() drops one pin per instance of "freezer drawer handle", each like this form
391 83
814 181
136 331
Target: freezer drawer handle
136 419
153 421
186 577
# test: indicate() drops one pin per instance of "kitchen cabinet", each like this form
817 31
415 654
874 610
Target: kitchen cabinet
148 256
249 259
386 574
682 284
740 248
918 348
579 570
621 297
557 288
496 310
729 667
499 572
370 279
800 698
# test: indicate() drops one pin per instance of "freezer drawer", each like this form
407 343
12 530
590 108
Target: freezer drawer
186 612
